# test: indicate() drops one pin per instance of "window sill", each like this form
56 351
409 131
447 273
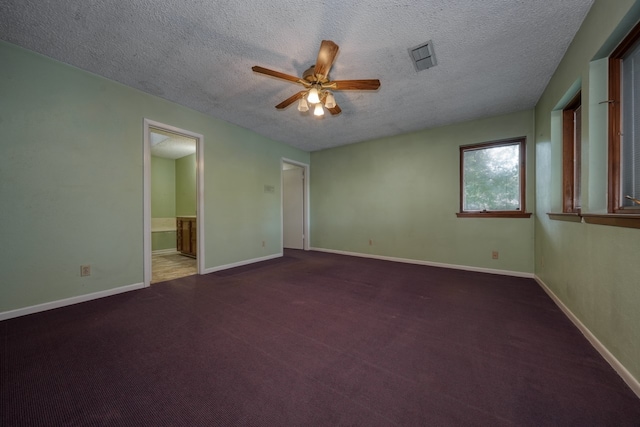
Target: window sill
616 220
497 214
565 216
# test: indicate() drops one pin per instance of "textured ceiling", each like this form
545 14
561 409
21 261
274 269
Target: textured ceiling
170 145
494 56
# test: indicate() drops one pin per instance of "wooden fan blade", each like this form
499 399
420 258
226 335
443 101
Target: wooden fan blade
335 110
371 84
290 100
276 74
326 56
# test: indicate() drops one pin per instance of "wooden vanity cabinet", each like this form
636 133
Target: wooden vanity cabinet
187 236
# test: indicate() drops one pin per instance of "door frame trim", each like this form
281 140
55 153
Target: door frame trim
147 194
305 202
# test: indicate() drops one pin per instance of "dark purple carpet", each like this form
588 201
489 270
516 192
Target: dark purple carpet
311 339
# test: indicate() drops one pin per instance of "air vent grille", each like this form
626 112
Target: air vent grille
423 56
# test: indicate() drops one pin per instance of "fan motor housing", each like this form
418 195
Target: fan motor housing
309 76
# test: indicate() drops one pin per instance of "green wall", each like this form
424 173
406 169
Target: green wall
402 193
163 240
593 269
163 187
71 163
173 193
185 186
163 200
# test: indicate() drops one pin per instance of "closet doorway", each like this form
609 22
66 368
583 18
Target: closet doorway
173 203
295 190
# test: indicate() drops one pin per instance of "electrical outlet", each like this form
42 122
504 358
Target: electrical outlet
494 255
85 270
263 244
370 242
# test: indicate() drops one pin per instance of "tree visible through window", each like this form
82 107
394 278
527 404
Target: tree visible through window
492 178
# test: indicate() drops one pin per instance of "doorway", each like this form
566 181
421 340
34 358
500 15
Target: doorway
173 208
295 230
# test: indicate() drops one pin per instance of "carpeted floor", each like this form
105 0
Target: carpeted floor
311 339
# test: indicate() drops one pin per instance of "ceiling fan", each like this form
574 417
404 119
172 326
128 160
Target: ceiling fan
318 85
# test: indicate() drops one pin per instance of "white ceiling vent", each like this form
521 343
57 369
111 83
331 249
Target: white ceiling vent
423 56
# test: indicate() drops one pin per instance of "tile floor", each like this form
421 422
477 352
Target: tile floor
171 266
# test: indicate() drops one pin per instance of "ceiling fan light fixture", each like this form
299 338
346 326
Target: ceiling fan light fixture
330 101
314 96
302 105
316 83
318 110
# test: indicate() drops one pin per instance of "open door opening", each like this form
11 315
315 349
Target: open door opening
173 214
295 232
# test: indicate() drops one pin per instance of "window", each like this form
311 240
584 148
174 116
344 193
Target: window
492 179
571 144
624 126
624 136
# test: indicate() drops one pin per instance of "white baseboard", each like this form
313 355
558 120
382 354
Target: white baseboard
88 297
67 301
241 263
429 263
626 376
165 251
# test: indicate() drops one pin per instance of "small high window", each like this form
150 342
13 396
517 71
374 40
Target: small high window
492 179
